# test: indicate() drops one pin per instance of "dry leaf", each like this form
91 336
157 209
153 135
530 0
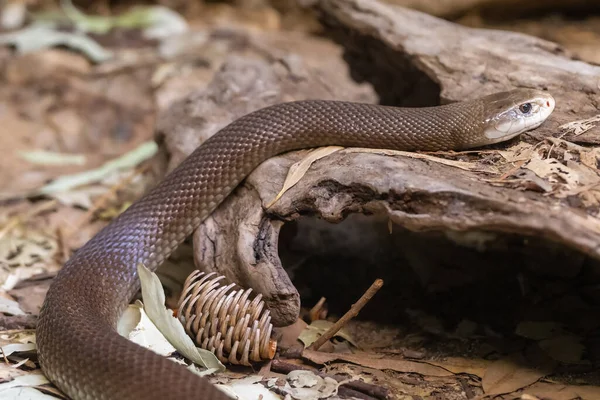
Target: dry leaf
459 365
373 361
580 126
538 330
555 391
550 168
154 305
319 327
521 152
467 166
289 334
508 375
247 388
565 348
299 169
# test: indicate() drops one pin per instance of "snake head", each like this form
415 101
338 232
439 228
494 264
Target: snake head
508 114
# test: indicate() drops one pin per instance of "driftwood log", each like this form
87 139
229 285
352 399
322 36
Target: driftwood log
411 59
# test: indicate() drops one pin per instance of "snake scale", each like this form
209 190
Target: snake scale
79 348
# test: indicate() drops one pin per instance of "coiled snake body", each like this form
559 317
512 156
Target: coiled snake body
79 349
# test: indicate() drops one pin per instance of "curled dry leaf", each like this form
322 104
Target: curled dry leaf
248 388
299 169
154 305
555 391
22 381
508 375
565 348
135 325
374 361
10 307
37 37
580 126
305 385
126 161
319 327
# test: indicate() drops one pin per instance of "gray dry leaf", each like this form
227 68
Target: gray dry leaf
11 348
466 166
579 127
299 169
519 152
135 325
319 327
377 362
10 307
154 305
23 381
247 388
24 248
305 385
508 375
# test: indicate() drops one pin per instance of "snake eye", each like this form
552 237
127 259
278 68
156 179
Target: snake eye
525 108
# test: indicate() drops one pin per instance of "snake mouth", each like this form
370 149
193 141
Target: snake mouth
520 117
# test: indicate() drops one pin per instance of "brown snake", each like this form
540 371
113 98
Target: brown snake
79 348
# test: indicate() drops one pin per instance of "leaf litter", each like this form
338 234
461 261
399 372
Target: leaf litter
568 181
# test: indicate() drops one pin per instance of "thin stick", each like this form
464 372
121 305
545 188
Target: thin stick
352 312
316 310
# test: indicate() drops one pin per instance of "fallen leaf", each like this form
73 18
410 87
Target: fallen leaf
521 152
42 157
372 361
580 126
31 379
508 375
550 168
24 393
247 388
10 307
305 385
554 391
459 365
37 37
135 325
154 304
126 161
299 169
23 248
156 22
467 166
318 328
565 348
9 349
538 330
290 334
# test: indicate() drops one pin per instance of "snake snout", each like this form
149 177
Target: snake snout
515 112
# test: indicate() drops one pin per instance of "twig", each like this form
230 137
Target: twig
315 312
371 390
352 312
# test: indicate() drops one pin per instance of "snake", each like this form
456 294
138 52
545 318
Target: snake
79 348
